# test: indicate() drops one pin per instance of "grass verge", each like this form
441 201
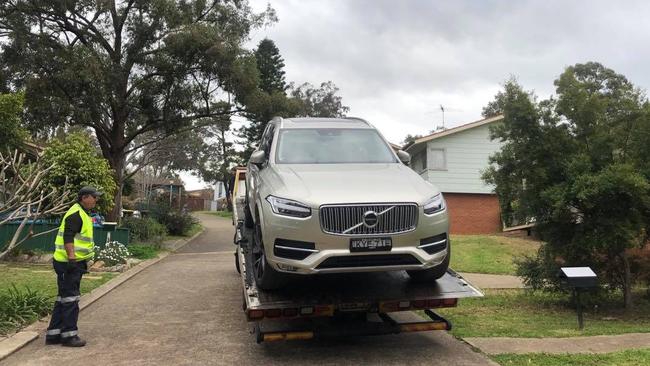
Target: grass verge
636 357
226 214
33 282
520 313
143 251
488 253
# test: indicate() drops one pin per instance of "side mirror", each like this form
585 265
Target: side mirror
404 157
258 157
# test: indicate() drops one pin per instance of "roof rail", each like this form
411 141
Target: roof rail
358 119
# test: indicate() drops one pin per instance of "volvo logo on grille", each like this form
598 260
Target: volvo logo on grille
370 219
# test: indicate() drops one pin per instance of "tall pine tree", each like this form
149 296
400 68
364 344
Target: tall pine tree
270 100
271 67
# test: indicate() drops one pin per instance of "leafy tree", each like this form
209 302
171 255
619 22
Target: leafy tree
25 197
410 140
11 110
270 100
271 67
219 157
578 165
319 102
128 68
75 160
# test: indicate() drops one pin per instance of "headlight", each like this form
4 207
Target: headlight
287 207
435 204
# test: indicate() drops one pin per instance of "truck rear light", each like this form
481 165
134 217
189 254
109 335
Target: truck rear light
419 304
291 312
433 303
449 302
256 314
324 310
273 313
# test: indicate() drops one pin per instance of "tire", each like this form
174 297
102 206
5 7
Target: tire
266 277
431 274
237 267
248 217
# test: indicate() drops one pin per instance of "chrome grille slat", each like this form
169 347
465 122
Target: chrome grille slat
335 219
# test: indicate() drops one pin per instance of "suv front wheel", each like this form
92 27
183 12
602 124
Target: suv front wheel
266 277
433 273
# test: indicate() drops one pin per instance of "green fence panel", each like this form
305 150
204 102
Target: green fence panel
46 242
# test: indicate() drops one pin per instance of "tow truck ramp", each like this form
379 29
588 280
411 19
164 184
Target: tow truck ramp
346 304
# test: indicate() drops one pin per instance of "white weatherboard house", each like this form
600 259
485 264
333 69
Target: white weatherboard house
454 160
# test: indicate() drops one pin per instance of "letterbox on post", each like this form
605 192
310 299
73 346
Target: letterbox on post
580 279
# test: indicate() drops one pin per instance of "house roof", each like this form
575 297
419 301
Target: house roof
451 131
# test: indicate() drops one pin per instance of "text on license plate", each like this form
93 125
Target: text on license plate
370 244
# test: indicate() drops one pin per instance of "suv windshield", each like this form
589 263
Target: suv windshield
332 146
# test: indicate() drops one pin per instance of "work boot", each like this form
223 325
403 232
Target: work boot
52 340
73 341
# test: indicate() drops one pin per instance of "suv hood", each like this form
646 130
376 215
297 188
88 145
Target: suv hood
349 183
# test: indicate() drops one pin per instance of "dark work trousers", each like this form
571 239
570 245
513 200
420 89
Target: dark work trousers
66 308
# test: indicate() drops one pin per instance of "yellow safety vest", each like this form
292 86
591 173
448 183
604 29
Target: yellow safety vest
84 246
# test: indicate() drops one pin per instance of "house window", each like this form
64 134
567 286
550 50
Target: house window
437 159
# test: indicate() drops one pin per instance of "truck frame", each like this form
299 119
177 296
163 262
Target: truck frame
345 304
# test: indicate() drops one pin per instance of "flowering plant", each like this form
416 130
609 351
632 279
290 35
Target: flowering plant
113 253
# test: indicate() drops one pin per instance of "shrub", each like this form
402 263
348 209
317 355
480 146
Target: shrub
176 222
145 230
143 251
113 253
19 307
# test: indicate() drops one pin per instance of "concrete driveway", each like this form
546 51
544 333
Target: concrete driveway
186 310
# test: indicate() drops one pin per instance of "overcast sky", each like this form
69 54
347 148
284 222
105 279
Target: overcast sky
396 62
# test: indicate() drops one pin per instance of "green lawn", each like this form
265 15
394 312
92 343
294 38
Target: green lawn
637 357
226 214
488 253
40 281
42 278
520 313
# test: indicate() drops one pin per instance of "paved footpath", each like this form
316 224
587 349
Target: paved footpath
186 310
594 344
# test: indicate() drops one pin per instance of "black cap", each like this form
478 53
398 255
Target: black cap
89 190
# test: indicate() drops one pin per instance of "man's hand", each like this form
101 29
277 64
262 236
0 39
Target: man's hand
71 266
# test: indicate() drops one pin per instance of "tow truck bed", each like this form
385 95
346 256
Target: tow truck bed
344 304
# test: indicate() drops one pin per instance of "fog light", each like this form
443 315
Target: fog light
286 267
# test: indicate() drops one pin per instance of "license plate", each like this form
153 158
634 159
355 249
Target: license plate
370 244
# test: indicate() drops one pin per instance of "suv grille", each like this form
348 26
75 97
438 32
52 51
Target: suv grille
349 219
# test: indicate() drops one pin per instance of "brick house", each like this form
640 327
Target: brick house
453 160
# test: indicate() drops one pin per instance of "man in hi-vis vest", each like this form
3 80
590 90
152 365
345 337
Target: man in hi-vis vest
74 246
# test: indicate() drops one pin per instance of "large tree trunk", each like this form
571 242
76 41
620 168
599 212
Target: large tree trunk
114 150
627 281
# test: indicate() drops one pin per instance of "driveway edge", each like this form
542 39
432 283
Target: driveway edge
22 338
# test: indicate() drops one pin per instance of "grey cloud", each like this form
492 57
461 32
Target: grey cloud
397 60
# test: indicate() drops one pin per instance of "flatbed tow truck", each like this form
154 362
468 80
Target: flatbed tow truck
346 304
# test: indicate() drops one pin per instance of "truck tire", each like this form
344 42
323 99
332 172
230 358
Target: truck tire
248 218
237 267
433 273
266 277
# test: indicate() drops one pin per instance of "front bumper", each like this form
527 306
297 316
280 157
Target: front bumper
326 246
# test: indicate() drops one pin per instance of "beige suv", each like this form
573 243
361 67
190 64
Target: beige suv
330 195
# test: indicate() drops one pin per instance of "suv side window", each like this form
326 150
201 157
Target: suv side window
267 140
